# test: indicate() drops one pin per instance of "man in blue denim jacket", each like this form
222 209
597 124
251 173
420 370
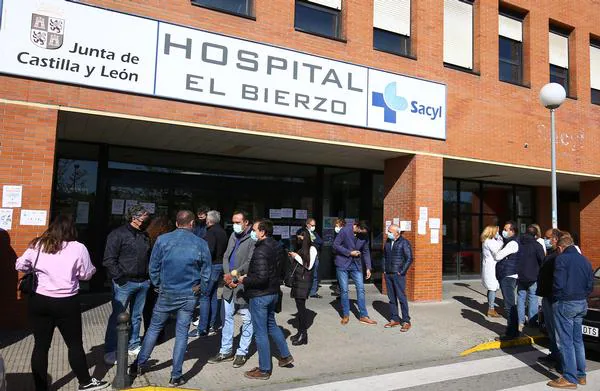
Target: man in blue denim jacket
180 266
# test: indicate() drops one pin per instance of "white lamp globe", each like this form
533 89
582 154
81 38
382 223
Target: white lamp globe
552 95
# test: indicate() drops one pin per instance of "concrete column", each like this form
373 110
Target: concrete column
412 182
589 215
27 143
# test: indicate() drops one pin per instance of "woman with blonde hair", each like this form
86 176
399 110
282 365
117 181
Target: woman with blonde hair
491 244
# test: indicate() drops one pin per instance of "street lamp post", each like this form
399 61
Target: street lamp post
552 95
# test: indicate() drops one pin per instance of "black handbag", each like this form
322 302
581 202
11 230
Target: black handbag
289 278
29 282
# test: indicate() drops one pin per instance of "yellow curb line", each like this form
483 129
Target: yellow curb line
521 341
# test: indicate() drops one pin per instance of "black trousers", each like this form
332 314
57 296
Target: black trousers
301 307
45 314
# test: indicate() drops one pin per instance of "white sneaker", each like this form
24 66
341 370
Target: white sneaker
110 358
94 384
196 322
135 351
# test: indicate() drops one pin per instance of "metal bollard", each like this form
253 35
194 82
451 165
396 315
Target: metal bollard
122 379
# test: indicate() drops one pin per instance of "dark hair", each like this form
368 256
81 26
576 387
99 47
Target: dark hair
532 230
340 221
245 215
309 220
266 226
158 226
303 247
62 229
136 211
362 224
513 226
202 209
184 217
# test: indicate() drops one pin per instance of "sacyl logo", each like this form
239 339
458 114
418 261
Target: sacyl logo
391 103
47 31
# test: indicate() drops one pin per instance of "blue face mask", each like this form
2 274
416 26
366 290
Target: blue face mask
390 236
253 236
505 234
548 244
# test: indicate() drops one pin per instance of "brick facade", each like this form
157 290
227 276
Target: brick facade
27 140
588 220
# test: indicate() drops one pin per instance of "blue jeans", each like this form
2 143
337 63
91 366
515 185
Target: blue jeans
568 317
133 295
526 290
228 329
356 275
183 306
550 327
209 300
508 286
262 310
315 282
491 295
396 285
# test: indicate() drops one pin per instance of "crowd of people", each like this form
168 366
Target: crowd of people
530 266
159 271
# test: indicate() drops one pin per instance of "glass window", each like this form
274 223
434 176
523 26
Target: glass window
524 201
559 75
314 18
240 7
596 96
469 197
391 42
511 60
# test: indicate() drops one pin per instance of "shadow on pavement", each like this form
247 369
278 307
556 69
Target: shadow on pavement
383 308
94 358
21 381
337 305
310 319
478 318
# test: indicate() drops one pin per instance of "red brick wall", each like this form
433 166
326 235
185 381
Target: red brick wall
412 182
588 219
27 140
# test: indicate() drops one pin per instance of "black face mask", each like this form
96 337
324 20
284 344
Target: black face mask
362 236
202 222
144 224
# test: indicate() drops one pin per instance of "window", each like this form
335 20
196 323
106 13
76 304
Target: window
559 59
391 22
595 71
238 7
458 33
511 49
321 17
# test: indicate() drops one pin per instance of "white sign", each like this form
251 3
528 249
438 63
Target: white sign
72 43
388 223
422 227
12 196
150 207
83 212
117 206
6 216
67 42
301 214
33 217
434 223
435 236
287 213
274 213
423 213
405 226
285 232
294 229
396 220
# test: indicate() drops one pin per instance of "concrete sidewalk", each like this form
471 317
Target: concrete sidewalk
441 330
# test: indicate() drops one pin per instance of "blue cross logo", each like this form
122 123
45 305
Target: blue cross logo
390 102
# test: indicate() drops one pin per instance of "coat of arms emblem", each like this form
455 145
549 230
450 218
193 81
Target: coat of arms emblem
47 31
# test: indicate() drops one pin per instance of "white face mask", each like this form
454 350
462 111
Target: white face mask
311 229
338 229
237 228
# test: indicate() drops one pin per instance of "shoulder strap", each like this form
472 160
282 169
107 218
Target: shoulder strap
37 257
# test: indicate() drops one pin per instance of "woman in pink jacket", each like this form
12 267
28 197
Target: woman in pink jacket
61 263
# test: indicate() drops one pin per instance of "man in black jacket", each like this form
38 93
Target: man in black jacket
397 259
126 260
544 290
216 238
262 287
531 256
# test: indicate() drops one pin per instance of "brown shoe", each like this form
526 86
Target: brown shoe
582 381
285 361
393 323
493 314
256 373
367 320
345 320
405 327
561 382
